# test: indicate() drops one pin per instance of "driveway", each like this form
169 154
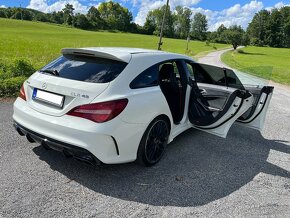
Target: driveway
245 175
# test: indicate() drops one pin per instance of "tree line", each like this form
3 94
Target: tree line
267 28
108 16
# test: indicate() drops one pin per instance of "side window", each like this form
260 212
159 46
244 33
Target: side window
214 75
176 68
198 73
147 78
222 76
190 70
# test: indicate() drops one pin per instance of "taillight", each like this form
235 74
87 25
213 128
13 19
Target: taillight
100 112
22 93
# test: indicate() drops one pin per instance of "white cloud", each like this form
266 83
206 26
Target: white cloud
2 6
147 5
42 5
278 6
237 14
96 5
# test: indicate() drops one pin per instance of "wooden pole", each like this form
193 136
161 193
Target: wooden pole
162 26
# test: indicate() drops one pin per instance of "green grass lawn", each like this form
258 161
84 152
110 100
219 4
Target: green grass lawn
40 43
273 63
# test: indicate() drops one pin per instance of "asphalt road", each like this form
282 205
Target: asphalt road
245 175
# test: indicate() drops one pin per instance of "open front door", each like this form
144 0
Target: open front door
255 116
213 106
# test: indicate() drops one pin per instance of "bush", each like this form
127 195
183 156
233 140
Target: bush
21 68
10 87
12 76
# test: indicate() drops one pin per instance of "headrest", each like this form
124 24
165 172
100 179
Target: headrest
166 71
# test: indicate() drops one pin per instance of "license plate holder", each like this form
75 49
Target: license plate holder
48 97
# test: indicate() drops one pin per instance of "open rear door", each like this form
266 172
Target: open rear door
214 105
217 108
262 93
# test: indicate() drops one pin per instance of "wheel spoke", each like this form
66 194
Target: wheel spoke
156 141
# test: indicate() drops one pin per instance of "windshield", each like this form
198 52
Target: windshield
86 69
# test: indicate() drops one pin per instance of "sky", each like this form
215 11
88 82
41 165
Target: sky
227 12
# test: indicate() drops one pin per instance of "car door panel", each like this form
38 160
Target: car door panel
217 122
214 95
217 87
222 126
256 114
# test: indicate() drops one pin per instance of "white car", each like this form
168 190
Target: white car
118 105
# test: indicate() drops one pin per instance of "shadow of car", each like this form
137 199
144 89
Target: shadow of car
198 168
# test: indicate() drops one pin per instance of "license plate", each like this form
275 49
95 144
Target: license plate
48 97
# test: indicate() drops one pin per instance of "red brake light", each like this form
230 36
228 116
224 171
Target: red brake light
100 112
22 93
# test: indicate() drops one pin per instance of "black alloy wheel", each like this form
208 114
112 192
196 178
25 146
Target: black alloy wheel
153 143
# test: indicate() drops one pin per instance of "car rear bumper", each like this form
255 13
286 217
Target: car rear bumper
71 150
112 142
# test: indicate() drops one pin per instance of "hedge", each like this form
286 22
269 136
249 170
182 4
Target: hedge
13 75
10 87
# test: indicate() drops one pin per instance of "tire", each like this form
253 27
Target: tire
153 142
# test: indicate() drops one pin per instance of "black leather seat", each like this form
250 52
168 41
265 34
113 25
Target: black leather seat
170 89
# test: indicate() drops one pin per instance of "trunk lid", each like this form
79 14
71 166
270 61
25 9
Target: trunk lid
75 93
74 79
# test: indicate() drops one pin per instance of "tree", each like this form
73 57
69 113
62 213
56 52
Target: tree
199 27
246 40
234 36
285 13
94 17
68 14
221 29
41 17
270 28
150 24
115 16
275 35
3 13
257 28
154 21
21 14
82 22
57 17
182 22
219 35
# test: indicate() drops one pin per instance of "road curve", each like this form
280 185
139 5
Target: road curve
214 58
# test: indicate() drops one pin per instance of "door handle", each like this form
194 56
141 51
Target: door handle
202 91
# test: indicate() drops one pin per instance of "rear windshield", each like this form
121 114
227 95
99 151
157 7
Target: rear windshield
86 69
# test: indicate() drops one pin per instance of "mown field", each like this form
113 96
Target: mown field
269 63
41 42
26 46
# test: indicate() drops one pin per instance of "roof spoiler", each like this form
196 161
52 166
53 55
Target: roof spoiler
95 53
